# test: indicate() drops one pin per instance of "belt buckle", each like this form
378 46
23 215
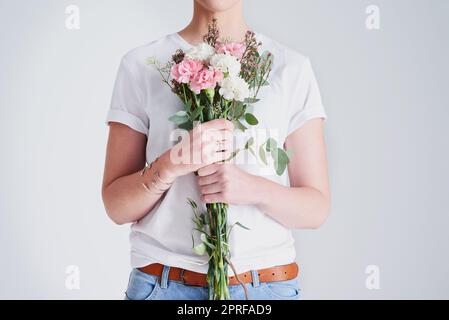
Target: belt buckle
182 276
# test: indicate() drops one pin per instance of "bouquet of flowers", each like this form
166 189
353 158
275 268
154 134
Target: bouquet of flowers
220 79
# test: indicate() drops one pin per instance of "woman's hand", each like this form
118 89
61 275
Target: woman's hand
125 186
207 143
227 183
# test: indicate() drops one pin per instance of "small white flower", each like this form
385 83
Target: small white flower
226 63
202 51
234 88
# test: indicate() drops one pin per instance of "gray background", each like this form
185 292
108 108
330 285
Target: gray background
386 97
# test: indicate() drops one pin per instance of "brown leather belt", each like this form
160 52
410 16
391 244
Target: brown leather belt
191 278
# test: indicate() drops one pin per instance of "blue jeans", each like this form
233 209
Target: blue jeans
143 286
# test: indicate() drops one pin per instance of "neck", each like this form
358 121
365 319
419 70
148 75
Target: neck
231 23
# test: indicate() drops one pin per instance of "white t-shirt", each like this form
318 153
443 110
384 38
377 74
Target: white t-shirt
141 101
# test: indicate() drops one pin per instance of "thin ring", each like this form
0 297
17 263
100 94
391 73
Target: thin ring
220 145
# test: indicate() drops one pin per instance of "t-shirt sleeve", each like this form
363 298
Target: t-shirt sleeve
306 101
127 103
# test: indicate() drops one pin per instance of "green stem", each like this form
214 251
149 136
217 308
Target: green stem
218 266
185 96
218 280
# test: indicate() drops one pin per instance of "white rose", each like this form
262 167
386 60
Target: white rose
234 88
226 63
202 51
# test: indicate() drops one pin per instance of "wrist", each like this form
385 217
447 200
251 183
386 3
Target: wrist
167 169
257 190
261 191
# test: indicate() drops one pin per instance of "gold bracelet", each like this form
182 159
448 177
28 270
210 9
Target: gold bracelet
152 191
154 183
142 173
157 176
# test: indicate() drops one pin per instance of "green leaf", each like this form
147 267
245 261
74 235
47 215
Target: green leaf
238 110
262 155
181 113
199 224
210 113
192 203
242 226
249 143
240 125
196 113
252 85
281 168
289 153
179 117
206 219
194 207
251 119
281 160
206 242
188 105
236 224
233 154
271 145
283 156
200 249
251 100
252 151
186 125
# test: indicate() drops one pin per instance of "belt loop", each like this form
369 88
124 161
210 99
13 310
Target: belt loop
164 277
255 277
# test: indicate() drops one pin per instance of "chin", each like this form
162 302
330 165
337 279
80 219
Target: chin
217 5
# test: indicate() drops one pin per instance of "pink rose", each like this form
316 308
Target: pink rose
205 79
236 49
186 70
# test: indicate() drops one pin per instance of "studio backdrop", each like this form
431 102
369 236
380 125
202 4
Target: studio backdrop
383 70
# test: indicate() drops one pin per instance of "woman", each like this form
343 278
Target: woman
152 196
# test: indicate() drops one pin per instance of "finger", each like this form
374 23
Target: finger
223 145
213 198
227 135
206 180
211 189
208 170
219 124
222 156
212 136
212 151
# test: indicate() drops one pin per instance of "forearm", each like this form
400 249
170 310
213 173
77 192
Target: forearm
293 207
128 195
129 198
